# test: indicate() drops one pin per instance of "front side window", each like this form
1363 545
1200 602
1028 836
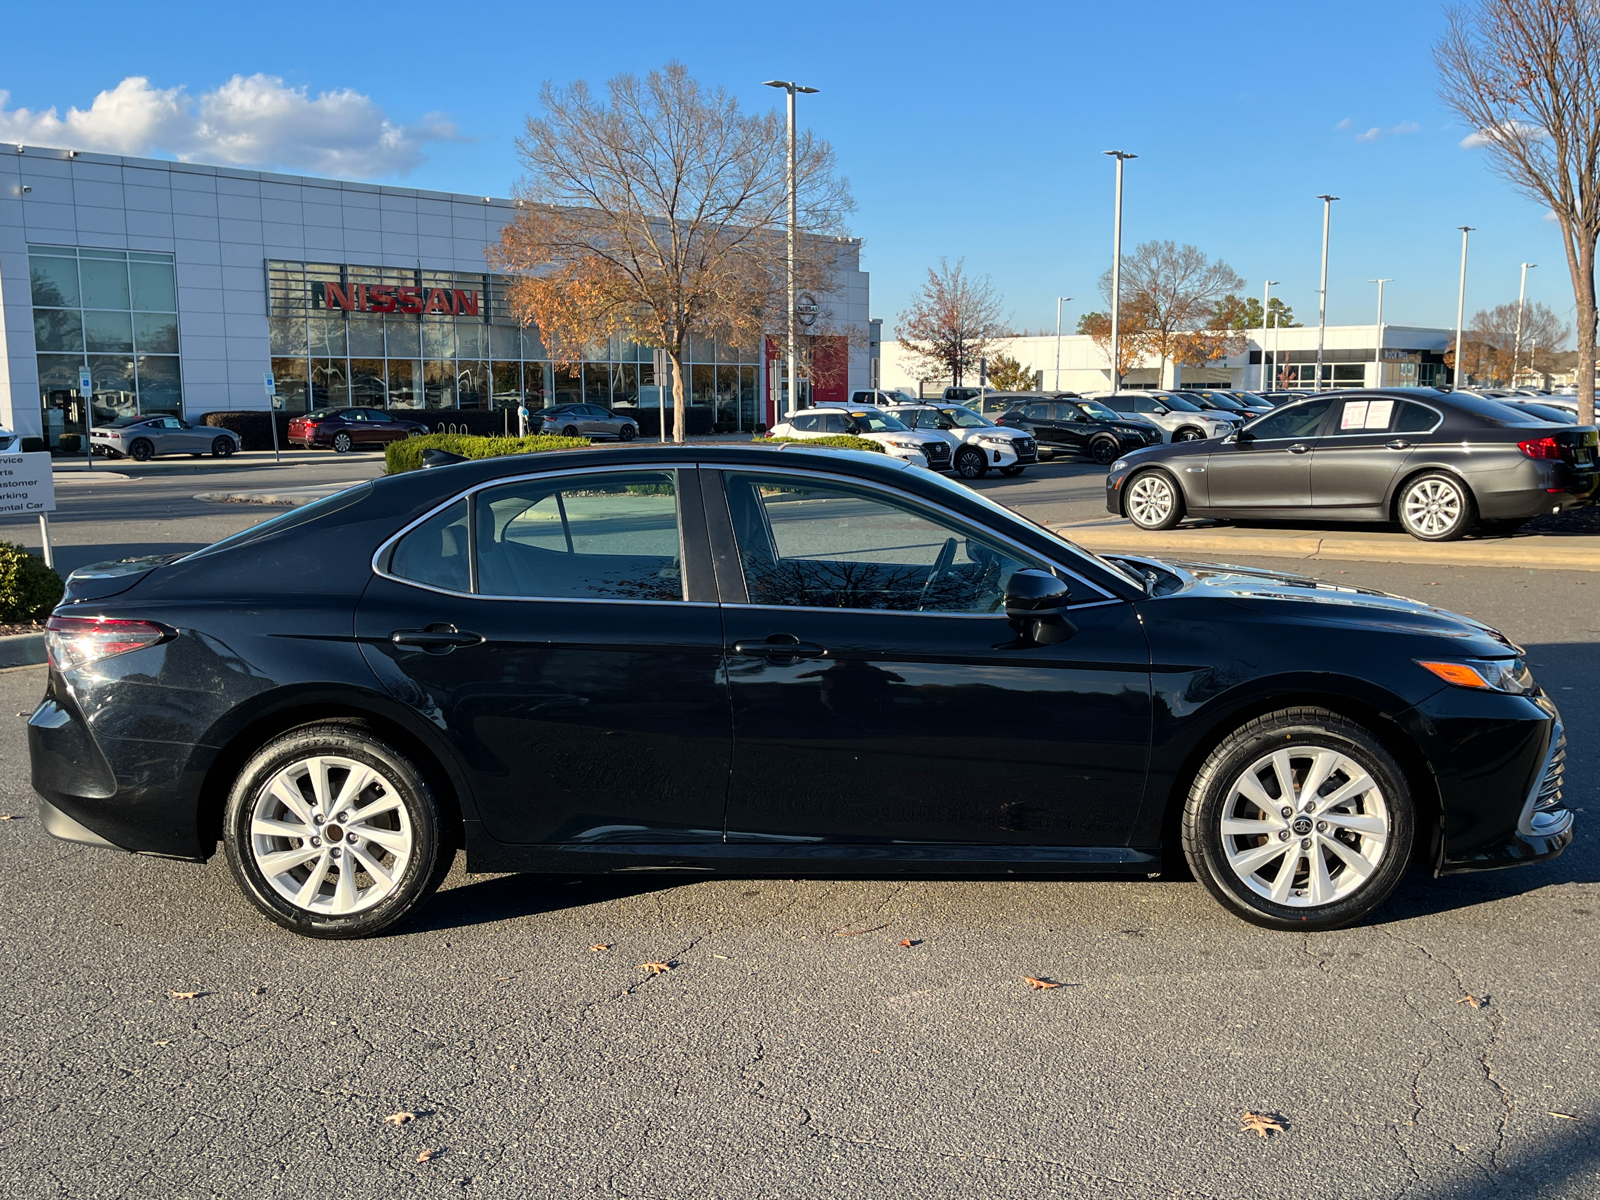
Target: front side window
1298 420
833 422
826 544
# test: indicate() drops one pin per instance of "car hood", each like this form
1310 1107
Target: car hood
1319 602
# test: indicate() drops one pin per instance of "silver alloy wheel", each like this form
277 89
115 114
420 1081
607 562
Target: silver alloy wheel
1433 506
330 835
1305 826
1150 499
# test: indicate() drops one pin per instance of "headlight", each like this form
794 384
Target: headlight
917 446
1129 432
993 440
1509 675
1119 464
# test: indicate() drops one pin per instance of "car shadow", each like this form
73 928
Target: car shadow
485 900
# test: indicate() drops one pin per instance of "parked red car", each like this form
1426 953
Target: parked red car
347 429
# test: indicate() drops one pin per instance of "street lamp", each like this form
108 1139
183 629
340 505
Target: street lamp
1322 294
1522 294
1266 299
1121 156
1377 353
1060 300
1460 379
794 364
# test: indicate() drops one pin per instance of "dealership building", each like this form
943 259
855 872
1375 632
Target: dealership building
180 286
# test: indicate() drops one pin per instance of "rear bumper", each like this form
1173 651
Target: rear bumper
1532 488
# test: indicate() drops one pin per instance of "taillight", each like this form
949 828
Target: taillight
1546 447
73 642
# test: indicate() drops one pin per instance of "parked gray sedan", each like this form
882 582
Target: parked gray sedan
587 420
141 438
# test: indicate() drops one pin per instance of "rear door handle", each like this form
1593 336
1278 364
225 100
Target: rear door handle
1397 444
779 645
438 638
1299 448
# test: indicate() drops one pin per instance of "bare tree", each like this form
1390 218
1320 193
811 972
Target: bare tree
1524 75
1496 329
1173 292
658 213
951 324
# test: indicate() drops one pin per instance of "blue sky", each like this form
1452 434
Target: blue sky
967 131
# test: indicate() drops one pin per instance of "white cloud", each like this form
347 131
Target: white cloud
1370 135
1344 124
1407 127
250 121
1481 137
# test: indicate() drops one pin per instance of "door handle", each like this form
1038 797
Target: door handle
779 645
438 638
1299 448
1397 444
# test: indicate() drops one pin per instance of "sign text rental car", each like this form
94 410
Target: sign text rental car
26 485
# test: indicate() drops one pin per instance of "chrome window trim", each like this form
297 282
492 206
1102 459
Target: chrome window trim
902 612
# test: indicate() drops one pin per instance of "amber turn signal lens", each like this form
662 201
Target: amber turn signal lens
1458 673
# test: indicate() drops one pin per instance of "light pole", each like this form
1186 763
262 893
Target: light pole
1060 300
1266 299
1322 293
1377 354
1522 294
794 362
1121 156
1460 380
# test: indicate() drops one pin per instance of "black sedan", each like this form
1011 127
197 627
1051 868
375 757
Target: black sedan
1436 462
768 661
1080 427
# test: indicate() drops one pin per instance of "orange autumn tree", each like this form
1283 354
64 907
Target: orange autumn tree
658 213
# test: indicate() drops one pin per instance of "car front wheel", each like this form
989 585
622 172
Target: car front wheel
1153 501
1435 507
221 447
971 463
1299 819
333 833
628 432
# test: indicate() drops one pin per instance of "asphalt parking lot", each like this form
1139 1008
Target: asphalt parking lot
162 1040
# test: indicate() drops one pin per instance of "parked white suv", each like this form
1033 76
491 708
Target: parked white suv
976 442
1184 420
921 448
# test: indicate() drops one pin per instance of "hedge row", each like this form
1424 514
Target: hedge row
255 434
406 455
28 588
836 441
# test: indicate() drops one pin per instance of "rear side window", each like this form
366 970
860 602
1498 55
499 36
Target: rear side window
435 552
1415 418
805 422
1037 412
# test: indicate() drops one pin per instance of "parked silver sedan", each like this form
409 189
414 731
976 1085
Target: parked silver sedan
142 438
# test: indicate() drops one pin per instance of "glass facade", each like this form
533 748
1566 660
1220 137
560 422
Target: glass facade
414 339
116 312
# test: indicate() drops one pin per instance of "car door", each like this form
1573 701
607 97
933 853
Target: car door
1267 466
562 631
1358 455
880 694
380 427
1039 416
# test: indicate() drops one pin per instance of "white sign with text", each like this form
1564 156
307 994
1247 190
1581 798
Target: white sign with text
27 487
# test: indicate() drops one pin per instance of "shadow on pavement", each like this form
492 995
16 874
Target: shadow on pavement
506 897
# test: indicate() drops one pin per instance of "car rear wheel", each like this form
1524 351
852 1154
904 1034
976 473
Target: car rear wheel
628 432
1299 819
142 450
971 463
1189 434
1103 450
333 833
221 447
1435 507
1153 501
570 431
343 443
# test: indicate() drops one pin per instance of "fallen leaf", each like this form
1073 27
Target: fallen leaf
1562 1116
859 932
7 817
428 1155
599 946
400 1118
1264 1124
258 991
655 968
910 942
164 1042
1472 1000
187 995
1039 985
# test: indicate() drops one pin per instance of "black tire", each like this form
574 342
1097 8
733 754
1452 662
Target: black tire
1300 731
1506 527
1014 470
1142 503
628 433
343 443
142 450
570 431
971 463
1189 434
430 852
221 447
1104 450
1435 507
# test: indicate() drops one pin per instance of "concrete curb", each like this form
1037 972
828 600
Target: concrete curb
21 650
1534 553
281 497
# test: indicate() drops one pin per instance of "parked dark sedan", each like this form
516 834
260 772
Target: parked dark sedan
347 429
768 661
1080 427
1436 462
587 420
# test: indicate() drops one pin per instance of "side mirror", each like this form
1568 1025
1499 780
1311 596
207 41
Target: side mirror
1244 437
1162 410
1036 606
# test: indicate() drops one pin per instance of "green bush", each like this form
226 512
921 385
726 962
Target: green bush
406 455
28 588
69 443
836 441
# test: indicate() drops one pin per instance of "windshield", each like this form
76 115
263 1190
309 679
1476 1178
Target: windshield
1221 401
965 418
875 422
1558 415
1099 411
1179 404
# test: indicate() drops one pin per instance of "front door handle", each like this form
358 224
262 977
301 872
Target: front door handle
779 646
1397 444
1299 448
438 638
